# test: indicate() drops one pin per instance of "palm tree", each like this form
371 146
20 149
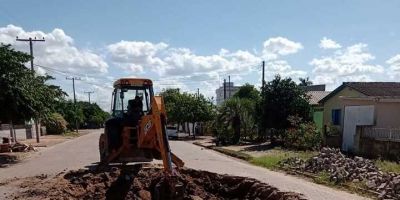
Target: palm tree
305 81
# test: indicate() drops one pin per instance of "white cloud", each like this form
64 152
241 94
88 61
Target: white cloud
183 68
351 63
165 61
282 68
327 43
394 66
58 51
168 66
136 52
274 47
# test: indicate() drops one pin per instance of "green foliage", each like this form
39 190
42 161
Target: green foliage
247 91
235 120
236 154
388 166
55 124
282 98
276 155
302 136
185 107
237 117
93 115
24 95
67 109
305 81
87 115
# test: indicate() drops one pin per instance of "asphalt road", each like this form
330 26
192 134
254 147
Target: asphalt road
83 151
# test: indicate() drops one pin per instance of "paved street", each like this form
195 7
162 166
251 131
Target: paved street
199 158
83 151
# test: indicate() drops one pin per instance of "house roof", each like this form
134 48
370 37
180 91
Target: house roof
316 96
314 87
382 89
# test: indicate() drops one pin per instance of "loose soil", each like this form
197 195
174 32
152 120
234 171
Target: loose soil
137 182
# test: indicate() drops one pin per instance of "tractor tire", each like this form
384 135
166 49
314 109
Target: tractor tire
103 147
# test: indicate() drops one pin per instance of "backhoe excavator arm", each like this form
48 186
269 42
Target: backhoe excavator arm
153 135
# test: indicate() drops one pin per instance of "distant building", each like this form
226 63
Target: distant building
230 90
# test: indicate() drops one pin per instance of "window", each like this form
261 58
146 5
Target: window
336 116
123 96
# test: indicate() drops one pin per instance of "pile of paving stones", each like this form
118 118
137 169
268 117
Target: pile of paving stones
344 169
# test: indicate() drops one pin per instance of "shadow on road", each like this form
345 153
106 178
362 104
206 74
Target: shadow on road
6 160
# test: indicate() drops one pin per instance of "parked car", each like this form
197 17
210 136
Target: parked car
172 132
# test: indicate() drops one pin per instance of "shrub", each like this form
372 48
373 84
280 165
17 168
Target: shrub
55 124
303 136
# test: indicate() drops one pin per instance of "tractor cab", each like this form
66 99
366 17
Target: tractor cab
131 101
129 93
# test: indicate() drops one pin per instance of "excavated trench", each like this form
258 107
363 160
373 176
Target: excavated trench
136 182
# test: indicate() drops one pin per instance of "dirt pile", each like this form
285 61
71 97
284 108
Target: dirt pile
344 169
146 183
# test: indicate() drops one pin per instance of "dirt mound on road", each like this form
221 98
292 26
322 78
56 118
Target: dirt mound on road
145 183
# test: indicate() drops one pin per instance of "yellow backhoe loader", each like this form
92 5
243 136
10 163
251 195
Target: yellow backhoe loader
137 130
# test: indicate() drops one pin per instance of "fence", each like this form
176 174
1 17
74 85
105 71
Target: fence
384 134
379 142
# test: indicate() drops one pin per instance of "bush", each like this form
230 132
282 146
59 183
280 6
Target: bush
303 136
56 124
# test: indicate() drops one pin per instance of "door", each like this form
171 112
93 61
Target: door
355 116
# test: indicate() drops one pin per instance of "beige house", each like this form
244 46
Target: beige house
362 109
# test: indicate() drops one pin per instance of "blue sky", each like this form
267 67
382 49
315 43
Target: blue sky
367 32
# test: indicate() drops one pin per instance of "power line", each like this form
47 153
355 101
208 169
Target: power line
89 92
263 76
71 73
66 74
229 86
30 40
73 87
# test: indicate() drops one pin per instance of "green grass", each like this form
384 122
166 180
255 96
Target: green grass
236 154
323 178
271 161
388 166
70 134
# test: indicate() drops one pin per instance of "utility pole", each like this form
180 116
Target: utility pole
30 40
198 93
262 79
229 86
224 89
89 94
73 87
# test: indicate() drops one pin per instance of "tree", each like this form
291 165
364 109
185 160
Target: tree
247 91
24 95
201 110
67 109
184 107
171 100
234 117
55 124
94 116
88 115
249 118
282 98
305 81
